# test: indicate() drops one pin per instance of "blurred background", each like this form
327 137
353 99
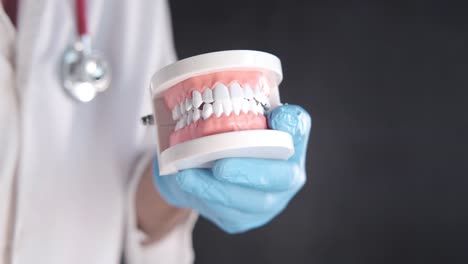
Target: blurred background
386 83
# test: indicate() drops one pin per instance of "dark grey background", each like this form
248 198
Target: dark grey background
386 83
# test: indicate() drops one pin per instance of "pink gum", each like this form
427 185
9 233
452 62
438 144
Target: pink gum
216 125
179 92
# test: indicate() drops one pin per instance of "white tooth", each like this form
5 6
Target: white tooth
266 88
227 107
175 113
179 125
207 111
248 93
220 92
257 93
245 106
190 118
188 104
181 108
253 106
237 105
221 100
217 108
207 96
260 109
262 99
196 98
184 120
236 91
237 95
196 114
266 104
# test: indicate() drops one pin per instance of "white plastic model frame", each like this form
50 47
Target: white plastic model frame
212 106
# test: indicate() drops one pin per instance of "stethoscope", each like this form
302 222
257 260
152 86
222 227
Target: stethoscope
84 73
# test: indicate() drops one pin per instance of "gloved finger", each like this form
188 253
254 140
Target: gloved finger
260 174
168 187
230 220
294 120
201 184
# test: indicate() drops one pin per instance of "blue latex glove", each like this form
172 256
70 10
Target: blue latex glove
239 194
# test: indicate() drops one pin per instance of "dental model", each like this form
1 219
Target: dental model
212 106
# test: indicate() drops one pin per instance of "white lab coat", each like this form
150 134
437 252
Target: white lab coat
68 171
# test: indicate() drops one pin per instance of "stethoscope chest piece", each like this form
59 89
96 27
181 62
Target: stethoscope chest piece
84 73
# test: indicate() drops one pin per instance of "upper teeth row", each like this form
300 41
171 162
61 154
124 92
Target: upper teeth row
218 108
230 98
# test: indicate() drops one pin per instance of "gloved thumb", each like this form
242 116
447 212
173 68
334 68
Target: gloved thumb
294 120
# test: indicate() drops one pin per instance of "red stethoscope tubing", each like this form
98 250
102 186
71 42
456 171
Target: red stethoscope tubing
81 18
11 8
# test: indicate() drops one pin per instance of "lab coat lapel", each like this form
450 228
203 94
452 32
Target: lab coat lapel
40 35
8 133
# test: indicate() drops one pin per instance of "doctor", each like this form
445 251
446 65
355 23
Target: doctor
77 181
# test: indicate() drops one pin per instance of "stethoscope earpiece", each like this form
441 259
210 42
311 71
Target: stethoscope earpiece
83 72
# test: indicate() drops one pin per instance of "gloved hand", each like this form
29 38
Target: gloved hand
239 194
